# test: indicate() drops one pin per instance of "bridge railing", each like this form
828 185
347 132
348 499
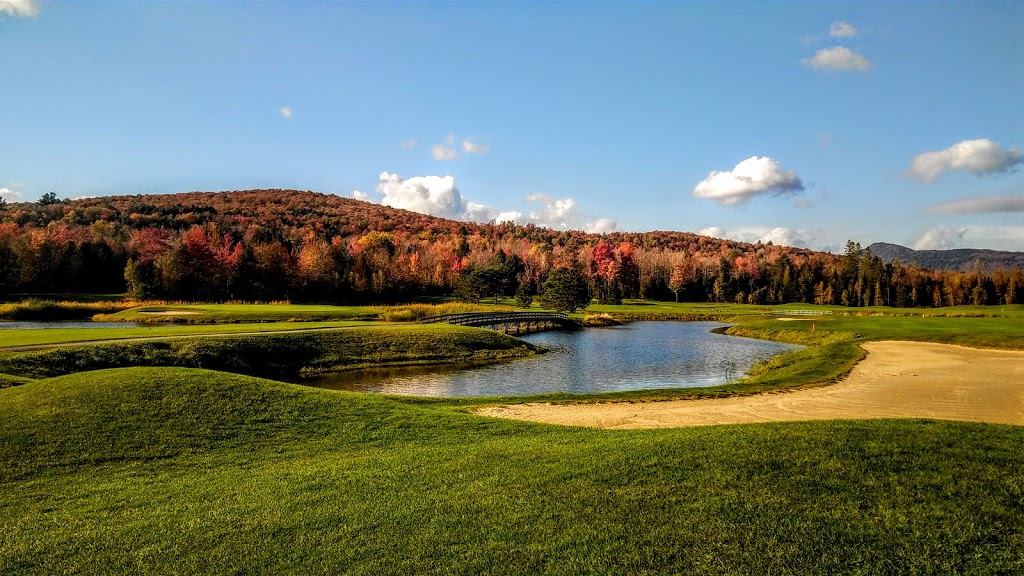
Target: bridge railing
487 318
802 312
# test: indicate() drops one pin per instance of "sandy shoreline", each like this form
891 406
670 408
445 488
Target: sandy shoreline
895 380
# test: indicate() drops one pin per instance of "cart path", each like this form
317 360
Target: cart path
895 380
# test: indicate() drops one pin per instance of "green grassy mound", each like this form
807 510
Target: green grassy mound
142 414
281 354
156 471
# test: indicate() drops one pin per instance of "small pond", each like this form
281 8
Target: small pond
638 356
64 324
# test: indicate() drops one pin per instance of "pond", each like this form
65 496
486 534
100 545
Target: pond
65 324
638 356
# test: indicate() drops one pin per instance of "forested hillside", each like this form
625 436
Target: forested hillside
306 246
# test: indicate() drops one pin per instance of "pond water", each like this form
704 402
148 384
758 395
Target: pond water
13 325
638 356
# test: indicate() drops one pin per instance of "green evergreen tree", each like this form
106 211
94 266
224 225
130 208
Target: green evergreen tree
565 290
524 294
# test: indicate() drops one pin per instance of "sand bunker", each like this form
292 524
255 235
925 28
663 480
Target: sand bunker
896 380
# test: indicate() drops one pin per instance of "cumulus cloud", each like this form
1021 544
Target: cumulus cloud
837 58
23 8
471 147
10 195
285 112
434 195
939 238
445 151
751 177
553 212
842 30
987 236
509 216
408 144
601 226
986 205
980 157
442 152
562 214
796 237
439 196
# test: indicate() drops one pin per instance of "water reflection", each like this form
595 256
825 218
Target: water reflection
642 355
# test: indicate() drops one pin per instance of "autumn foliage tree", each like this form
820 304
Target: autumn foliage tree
304 246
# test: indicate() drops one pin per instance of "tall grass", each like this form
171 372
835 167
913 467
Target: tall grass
35 309
413 312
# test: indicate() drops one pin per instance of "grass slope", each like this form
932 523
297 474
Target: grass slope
35 337
289 353
156 471
228 313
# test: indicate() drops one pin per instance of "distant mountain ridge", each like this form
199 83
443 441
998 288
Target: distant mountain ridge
960 259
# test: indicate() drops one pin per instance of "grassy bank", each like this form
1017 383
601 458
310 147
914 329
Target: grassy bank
1007 332
51 310
230 313
280 354
156 471
31 337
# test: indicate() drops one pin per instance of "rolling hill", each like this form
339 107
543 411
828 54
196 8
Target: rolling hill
960 260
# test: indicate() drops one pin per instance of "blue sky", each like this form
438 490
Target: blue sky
802 123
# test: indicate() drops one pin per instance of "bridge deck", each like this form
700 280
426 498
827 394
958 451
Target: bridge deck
497 319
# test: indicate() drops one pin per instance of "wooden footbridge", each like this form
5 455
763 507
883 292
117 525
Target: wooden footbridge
507 322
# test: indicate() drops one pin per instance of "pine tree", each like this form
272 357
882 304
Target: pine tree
565 290
524 294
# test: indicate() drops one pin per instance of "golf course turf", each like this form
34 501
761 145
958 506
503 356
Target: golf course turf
172 470
175 469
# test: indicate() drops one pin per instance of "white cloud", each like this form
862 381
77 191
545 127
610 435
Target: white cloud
796 237
445 151
285 112
439 196
441 152
980 157
434 195
753 176
986 205
408 144
10 195
837 58
937 238
562 214
601 226
554 212
509 216
714 232
842 30
992 237
25 8
471 147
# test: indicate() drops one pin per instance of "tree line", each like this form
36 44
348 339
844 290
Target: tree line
301 246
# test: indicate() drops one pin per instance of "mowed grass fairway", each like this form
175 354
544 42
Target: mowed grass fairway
32 337
172 470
